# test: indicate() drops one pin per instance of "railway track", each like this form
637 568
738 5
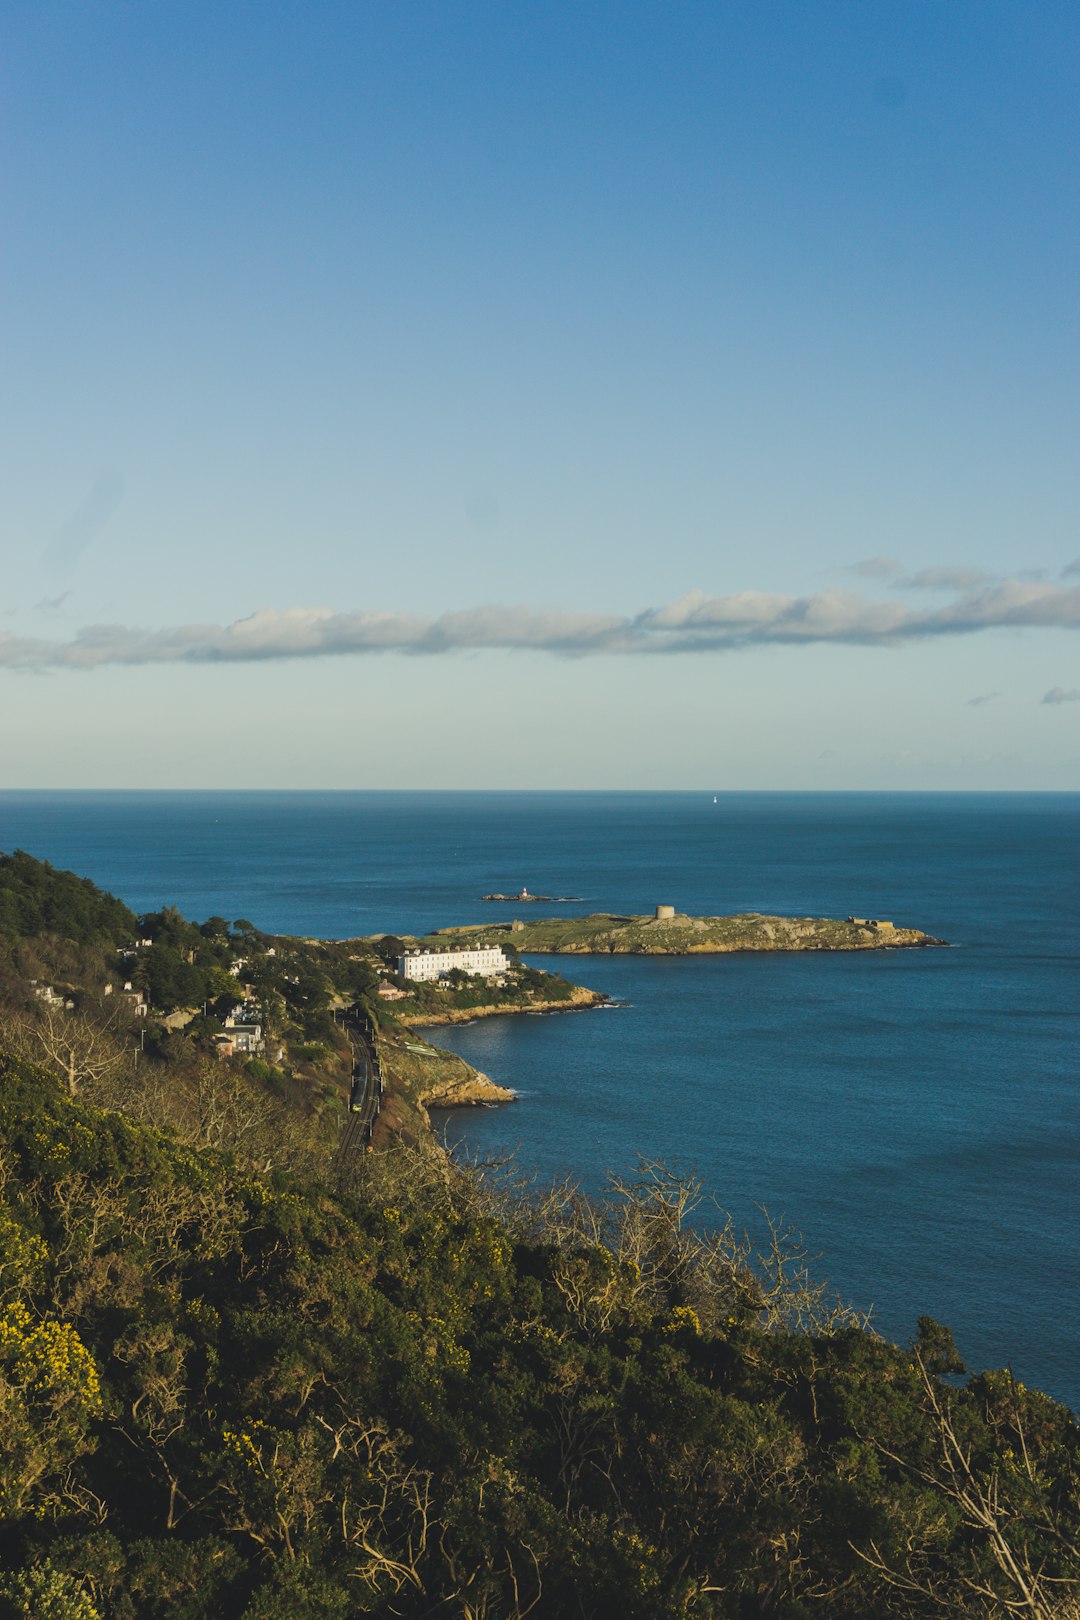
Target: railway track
365 1097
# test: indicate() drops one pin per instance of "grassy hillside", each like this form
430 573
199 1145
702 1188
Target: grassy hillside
228 1394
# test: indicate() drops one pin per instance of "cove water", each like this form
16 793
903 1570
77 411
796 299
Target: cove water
916 1114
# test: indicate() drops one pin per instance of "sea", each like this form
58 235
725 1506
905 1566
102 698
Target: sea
914 1115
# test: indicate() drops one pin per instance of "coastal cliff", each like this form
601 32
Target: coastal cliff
420 1076
604 933
477 1091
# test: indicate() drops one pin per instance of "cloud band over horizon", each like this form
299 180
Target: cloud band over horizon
695 623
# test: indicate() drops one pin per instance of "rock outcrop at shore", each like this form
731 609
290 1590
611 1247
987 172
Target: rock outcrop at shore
475 1092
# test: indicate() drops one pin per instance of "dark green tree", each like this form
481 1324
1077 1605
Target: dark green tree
937 1347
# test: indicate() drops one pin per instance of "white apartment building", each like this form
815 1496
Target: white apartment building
486 960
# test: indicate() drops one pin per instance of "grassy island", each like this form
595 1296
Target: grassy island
605 933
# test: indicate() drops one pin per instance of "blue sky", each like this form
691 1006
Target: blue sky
575 395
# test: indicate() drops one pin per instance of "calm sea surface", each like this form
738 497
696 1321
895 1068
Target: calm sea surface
916 1114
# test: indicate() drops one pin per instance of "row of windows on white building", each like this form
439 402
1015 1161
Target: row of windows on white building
486 960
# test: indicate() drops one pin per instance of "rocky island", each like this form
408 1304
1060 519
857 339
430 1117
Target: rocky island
524 898
670 933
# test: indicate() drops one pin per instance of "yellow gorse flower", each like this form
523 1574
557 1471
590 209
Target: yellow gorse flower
683 1316
48 1358
22 1253
245 1444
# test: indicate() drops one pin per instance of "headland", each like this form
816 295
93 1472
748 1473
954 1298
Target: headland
495 1006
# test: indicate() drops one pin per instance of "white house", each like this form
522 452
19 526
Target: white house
485 960
246 1037
51 997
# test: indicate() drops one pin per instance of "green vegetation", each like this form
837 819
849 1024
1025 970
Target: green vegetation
37 899
460 994
68 950
231 1393
140 1014
604 934
62 936
240 1377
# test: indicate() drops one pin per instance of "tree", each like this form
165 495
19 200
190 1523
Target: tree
79 1051
1020 1549
44 1593
358 975
170 928
35 898
936 1347
168 980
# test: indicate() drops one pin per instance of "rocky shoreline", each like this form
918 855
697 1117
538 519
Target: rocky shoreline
578 1001
476 1092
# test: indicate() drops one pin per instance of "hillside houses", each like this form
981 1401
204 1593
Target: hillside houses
50 996
243 1034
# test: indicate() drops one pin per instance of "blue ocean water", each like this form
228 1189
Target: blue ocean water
915 1114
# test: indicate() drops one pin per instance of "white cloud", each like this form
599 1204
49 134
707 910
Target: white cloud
1058 694
945 579
876 568
693 623
922 579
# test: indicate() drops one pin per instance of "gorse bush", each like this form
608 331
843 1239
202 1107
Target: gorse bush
225 1393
